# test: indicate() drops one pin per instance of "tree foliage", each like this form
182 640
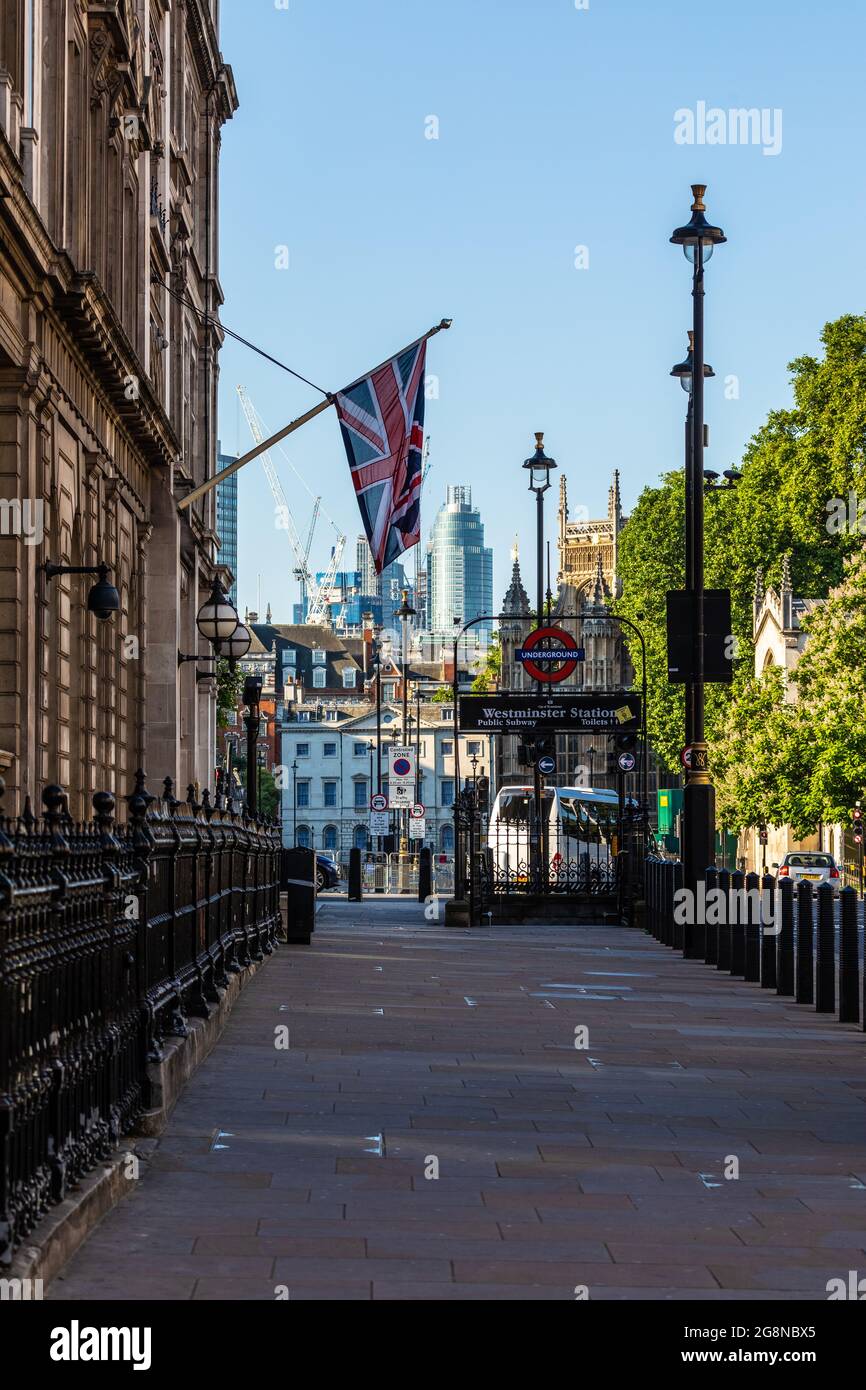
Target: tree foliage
488 677
775 762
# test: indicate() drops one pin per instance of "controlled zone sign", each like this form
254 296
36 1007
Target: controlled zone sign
401 762
549 654
506 713
401 796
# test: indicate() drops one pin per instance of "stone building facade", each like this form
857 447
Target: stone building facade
110 118
585 544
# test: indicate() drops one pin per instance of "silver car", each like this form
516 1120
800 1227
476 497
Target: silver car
809 866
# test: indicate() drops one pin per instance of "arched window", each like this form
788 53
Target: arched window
305 839
329 837
446 839
360 837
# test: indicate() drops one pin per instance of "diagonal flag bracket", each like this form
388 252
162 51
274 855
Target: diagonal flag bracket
293 425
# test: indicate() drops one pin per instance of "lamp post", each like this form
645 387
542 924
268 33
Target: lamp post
371 748
295 803
404 613
539 467
252 699
684 372
698 239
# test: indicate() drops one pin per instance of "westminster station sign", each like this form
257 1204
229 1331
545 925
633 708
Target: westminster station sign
611 712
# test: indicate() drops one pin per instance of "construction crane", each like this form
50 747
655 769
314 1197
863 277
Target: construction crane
315 594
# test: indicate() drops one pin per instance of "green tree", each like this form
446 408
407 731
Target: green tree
491 670
831 682
795 465
230 684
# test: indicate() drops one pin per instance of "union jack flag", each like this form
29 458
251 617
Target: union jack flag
382 420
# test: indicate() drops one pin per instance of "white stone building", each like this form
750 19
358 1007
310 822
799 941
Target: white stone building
328 771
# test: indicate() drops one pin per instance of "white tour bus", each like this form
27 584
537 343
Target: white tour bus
581 833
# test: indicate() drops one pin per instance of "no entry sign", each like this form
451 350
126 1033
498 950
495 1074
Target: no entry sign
549 654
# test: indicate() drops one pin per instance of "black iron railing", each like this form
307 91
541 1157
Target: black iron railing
111 937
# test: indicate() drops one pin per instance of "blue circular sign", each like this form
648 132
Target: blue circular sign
547 764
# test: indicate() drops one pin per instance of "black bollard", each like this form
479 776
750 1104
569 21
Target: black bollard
805 945
677 930
355 893
825 953
769 931
752 970
711 940
785 939
849 958
723 957
738 912
425 874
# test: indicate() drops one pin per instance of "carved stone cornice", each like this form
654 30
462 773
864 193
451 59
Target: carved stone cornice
100 336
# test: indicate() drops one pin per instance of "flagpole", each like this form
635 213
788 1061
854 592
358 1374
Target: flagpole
224 473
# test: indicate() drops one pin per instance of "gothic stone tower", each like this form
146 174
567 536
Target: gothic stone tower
583 543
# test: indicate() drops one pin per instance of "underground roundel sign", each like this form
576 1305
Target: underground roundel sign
549 654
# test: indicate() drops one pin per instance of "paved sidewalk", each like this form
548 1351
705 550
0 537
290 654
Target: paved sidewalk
303 1171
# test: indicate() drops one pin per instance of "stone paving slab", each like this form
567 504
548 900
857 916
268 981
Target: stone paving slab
309 1170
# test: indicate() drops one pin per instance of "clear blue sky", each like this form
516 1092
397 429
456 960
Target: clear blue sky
556 129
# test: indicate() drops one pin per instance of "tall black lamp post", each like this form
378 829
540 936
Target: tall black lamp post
405 612
252 699
295 803
539 467
698 238
684 372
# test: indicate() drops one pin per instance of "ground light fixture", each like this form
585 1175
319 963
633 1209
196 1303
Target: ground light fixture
103 599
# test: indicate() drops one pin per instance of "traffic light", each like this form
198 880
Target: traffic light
857 823
483 791
625 743
545 745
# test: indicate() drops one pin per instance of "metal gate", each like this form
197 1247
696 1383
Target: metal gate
527 859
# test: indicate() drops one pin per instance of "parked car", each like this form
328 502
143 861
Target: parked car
327 873
811 867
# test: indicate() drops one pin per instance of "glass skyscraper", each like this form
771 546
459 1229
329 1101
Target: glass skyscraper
459 567
227 521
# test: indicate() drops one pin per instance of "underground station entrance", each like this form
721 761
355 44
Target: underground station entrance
547 850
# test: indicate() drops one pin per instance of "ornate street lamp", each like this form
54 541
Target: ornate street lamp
539 467
217 618
218 622
698 238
